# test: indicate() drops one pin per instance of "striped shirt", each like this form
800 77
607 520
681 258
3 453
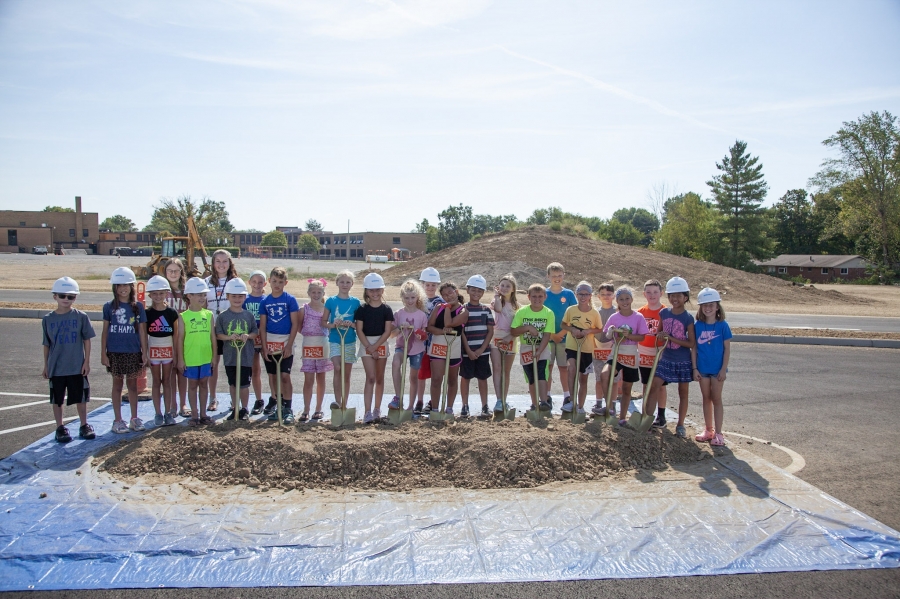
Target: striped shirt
476 329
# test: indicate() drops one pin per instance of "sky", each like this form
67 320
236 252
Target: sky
375 115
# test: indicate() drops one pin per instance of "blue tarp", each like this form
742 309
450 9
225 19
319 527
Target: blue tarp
728 515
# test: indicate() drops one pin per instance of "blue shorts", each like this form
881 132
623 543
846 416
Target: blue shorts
198 372
415 362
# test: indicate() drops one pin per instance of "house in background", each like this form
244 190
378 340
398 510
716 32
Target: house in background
22 229
817 268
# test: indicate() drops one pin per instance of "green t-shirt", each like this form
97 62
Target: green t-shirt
197 337
543 320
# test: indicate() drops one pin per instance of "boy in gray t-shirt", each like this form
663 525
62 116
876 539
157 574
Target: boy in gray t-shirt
237 324
67 335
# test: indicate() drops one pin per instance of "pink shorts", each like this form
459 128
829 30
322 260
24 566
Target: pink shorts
316 365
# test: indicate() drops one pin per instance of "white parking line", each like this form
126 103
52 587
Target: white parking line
26 394
22 428
22 405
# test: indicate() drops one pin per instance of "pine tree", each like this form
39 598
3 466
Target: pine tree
739 191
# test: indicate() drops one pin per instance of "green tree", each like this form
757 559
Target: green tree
616 231
485 223
642 219
827 215
308 244
118 223
867 174
274 239
455 225
689 227
313 225
739 191
797 230
57 209
431 235
210 218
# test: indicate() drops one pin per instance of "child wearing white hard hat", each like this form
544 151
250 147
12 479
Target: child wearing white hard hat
710 358
374 323
162 326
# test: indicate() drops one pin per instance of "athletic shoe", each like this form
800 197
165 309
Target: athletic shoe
545 406
395 403
271 407
581 411
680 432
62 434
464 413
498 407
243 414
485 411
257 407
273 416
705 436
549 402
368 418
159 420
136 424
287 417
623 422
598 409
448 410
418 409
168 420
335 405
567 407
86 432
718 440
119 427
661 424
427 409
376 414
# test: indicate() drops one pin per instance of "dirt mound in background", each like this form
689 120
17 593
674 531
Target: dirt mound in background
530 249
471 454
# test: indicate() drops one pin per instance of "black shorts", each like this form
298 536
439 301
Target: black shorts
645 375
629 375
74 388
286 364
246 371
586 359
541 371
220 345
476 369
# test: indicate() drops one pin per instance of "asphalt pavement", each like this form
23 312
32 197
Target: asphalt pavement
835 407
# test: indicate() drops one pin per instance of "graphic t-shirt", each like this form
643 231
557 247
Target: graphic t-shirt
278 312
342 309
64 334
476 328
574 317
635 322
176 300
559 303
161 323
122 336
252 304
543 320
711 345
677 326
197 341
374 318
652 319
417 320
240 323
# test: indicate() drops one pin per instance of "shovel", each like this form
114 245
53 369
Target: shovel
574 416
396 416
507 413
647 419
535 414
343 415
239 346
442 416
610 418
278 357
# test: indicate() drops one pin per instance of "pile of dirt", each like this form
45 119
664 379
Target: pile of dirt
471 454
527 252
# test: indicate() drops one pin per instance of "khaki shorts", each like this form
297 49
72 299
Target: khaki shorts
558 353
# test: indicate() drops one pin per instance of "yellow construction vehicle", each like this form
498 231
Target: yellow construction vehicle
186 248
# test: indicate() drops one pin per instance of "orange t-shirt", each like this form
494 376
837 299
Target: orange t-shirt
652 318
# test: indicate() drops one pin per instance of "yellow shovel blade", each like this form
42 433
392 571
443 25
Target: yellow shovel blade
396 416
646 423
634 421
611 419
534 415
343 417
578 418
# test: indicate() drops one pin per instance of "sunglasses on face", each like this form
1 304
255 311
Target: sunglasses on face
67 296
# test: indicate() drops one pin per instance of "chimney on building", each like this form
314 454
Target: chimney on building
79 219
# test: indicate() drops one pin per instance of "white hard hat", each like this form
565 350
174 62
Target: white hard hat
65 285
708 295
195 285
235 287
373 280
430 275
158 283
477 281
122 276
677 285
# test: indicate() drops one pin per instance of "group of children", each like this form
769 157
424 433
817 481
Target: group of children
188 324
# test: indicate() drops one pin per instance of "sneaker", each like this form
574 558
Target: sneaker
243 414
448 410
271 407
545 406
159 420
168 420
368 418
567 407
661 424
598 409
498 407
395 403
464 413
485 411
213 405
549 402
119 427
376 414
62 434
136 424
87 432
581 411
287 417
623 422
257 407
427 409
418 409
273 415
718 440
705 437
680 432
335 405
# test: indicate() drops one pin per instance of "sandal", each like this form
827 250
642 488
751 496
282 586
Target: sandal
194 422
304 416
213 406
317 416
206 420
185 412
